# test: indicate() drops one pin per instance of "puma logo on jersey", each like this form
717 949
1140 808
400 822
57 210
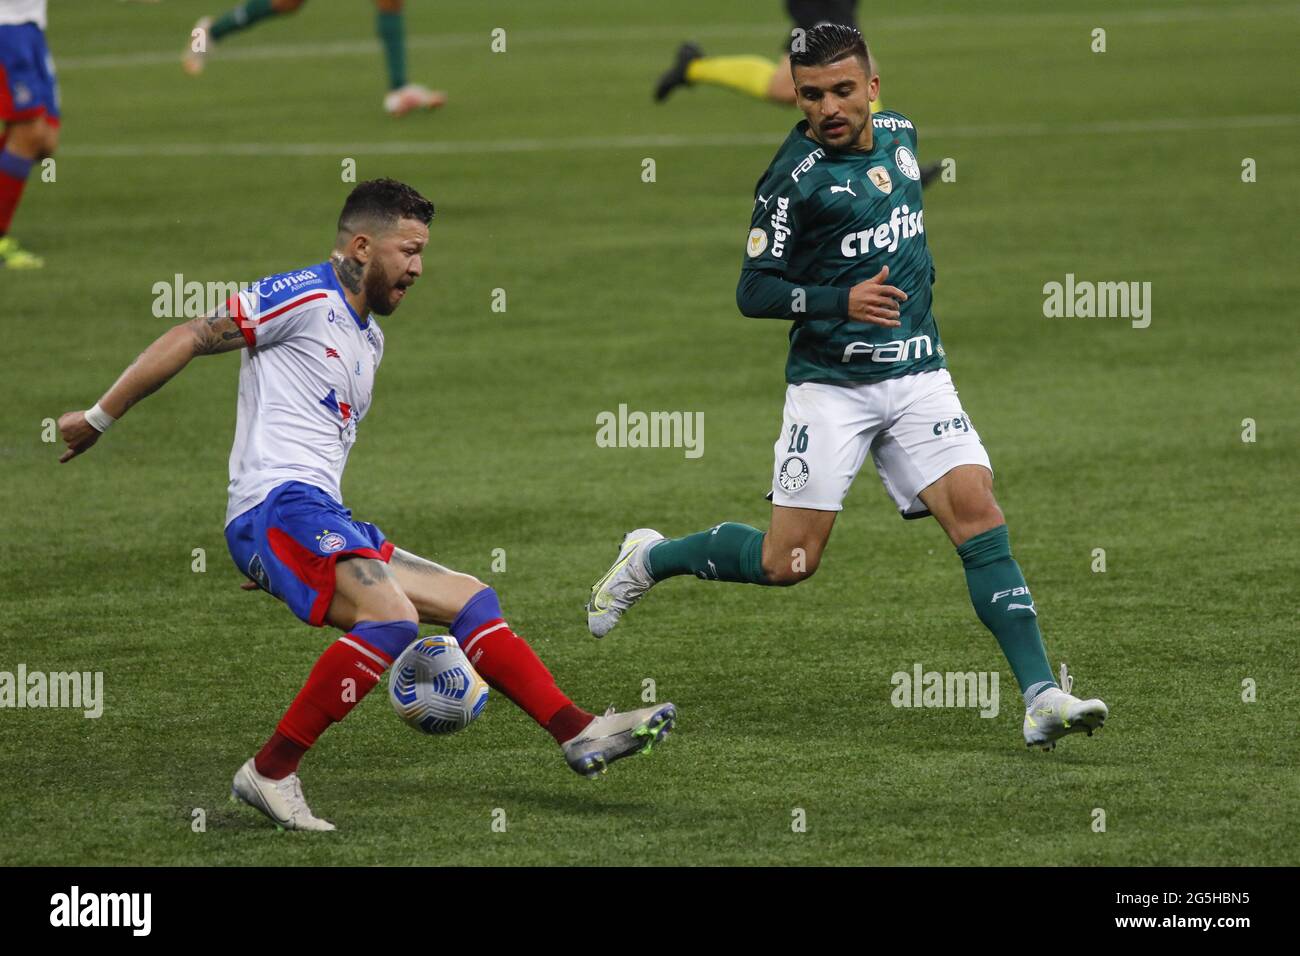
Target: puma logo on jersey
846 188
762 199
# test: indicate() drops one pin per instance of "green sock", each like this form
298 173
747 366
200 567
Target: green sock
729 552
1003 603
392 34
244 15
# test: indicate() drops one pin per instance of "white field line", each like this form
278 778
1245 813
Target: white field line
652 141
234 50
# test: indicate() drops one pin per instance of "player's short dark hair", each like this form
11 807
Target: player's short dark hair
829 43
382 202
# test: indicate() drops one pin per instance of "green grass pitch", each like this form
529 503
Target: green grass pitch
1122 165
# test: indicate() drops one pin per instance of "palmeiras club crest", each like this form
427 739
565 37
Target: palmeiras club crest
793 474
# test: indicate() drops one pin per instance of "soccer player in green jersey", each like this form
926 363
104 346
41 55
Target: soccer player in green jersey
837 244
402 96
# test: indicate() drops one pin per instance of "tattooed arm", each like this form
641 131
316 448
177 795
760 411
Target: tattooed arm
152 369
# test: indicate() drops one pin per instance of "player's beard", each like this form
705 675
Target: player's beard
379 289
854 135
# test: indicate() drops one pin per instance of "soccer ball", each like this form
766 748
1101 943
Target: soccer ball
434 688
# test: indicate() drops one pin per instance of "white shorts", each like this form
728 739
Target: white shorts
913 426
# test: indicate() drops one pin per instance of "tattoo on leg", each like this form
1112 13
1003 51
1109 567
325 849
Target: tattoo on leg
417 563
366 573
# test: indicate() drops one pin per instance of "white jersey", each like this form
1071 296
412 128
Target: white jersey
23 11
305 381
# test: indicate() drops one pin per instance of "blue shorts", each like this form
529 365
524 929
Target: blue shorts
27 85
289 543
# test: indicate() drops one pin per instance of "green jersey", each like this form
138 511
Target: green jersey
826 220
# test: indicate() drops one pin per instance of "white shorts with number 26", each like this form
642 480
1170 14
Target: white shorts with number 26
913 426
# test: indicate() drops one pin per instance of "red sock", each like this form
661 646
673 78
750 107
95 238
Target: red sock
509 665
278 757
13 176
347 671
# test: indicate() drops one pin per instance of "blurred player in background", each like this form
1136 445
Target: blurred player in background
310 347
758 76
29 109
402 97
753 75
836 214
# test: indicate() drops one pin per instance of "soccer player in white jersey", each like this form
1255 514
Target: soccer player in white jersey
29 112
310 348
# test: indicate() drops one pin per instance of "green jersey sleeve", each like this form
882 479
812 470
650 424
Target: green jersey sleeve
764 291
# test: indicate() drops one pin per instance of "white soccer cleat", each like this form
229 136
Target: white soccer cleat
614 736
281 800
1056 712
624 583
410 97
195 60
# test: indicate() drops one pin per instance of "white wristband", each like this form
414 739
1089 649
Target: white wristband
98 418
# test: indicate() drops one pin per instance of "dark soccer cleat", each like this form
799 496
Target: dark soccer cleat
675 75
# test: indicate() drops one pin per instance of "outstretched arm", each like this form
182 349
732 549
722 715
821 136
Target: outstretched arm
153 367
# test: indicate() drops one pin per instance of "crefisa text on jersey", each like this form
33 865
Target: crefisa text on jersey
780 226
902 224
